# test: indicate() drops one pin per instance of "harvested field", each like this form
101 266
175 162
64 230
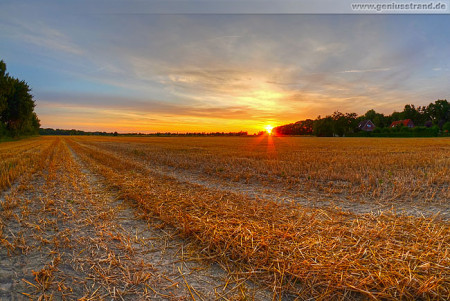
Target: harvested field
225 218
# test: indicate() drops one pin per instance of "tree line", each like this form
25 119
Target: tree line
428 120
73 132
17 116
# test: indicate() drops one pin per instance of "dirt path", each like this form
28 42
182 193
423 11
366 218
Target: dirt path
65 235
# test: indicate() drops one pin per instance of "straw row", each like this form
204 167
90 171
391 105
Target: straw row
20 158
356 169
307 252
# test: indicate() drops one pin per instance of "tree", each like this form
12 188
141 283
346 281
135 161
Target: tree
4 87
338 124
378 119
439 111
302 127
323 127
17 114
343 123
410 112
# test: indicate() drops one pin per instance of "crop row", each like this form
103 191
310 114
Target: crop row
319 253
353 168
23 158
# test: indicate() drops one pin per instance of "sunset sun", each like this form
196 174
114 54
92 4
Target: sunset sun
269 129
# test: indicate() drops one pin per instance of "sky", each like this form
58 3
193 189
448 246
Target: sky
127 69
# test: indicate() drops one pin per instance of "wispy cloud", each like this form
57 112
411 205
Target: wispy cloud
366 70
40 34
225 71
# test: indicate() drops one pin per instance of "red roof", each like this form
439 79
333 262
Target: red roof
399 122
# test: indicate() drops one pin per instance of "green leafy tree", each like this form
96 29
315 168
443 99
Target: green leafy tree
17 114
302 127
410 112
339 123
378 119
4 88
396 116
439 112
344 123
323 127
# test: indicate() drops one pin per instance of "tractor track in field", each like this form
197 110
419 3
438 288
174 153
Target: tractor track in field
257 191
261 192
66 235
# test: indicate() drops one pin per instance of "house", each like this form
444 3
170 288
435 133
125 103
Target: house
366 125
407 122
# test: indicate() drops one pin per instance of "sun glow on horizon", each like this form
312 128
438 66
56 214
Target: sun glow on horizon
269 129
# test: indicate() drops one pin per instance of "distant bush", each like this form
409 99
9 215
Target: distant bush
446 128
419 131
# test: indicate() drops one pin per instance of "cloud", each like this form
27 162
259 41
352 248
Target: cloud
145 107
40 34
366 70
231 69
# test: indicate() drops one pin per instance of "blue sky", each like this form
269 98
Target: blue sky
95 68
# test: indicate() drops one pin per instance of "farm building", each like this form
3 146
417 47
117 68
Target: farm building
366 125
407 122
